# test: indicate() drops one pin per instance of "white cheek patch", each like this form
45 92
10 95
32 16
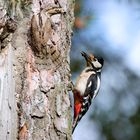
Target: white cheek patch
97 64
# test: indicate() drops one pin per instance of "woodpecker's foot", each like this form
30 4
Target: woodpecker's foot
70 86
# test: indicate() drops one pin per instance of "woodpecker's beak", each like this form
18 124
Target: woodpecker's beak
86 56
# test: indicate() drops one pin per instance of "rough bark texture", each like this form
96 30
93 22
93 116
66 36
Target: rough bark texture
35 39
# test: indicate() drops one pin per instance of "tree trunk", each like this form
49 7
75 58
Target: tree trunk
35 40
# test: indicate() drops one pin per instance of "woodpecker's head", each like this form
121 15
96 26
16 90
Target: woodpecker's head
92 61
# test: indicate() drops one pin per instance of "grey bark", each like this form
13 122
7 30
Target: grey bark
35 40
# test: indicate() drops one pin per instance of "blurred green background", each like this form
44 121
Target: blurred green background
111 29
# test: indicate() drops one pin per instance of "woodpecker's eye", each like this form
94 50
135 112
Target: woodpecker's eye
96 64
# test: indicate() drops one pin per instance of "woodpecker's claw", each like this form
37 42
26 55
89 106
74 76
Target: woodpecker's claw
70 86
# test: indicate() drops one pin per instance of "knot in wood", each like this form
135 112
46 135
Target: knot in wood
40 31
11 25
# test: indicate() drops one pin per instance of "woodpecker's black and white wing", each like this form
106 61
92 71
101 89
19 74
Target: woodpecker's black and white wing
92 88
90 92
93 85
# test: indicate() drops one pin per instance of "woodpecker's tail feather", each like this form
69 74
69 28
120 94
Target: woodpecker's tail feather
77 119
85 106
75 124
73 128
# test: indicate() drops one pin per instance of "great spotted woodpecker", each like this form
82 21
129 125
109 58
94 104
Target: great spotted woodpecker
87 86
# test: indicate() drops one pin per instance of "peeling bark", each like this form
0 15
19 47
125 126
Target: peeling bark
34 69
